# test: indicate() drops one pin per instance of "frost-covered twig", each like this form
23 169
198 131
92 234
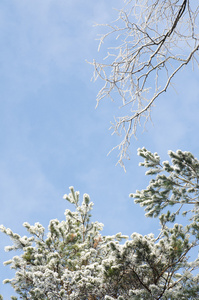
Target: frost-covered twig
153 40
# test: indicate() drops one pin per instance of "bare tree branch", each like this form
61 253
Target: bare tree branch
153 40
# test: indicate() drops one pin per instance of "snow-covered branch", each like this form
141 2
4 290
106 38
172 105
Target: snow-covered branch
150 42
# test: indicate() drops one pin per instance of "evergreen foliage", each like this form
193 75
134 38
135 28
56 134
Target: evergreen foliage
75 261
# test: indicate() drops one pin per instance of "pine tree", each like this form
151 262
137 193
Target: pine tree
65 263
75 261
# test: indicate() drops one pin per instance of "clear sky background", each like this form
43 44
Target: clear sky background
51 135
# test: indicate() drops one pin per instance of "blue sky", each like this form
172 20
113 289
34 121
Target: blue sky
52 136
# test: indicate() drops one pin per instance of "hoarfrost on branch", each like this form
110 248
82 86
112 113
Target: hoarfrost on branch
151 42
